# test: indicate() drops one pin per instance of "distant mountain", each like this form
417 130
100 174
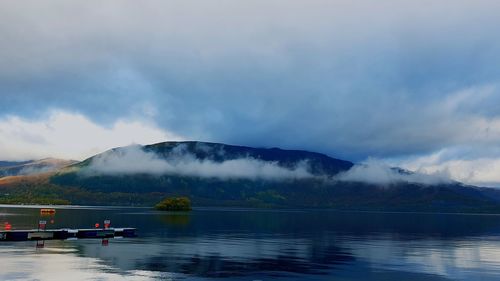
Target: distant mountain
12 163
214 174
32 166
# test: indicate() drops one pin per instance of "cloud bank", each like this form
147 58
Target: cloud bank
70 136
353 79
464 164
376 172
318 75
134 160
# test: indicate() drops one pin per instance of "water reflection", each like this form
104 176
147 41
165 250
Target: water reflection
239 257
61 264
261 245
178 219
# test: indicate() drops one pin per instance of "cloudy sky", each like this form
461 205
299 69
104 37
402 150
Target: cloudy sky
410 83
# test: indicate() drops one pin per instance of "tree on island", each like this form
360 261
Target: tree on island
174 204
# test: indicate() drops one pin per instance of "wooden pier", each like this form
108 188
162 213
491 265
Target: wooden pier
63 234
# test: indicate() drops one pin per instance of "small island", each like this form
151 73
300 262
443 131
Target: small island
174 204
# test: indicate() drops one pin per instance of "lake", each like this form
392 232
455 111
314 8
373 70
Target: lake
249 244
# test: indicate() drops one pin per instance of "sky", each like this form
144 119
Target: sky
409 83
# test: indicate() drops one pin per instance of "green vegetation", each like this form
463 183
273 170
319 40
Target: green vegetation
298 193
174 204
267 199
144 190
38 190
28 200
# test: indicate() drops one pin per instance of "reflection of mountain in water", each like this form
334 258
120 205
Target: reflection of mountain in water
240 258
225 257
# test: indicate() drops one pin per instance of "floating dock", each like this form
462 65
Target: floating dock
63 234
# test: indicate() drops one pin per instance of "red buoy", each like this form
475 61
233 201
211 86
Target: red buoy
97 225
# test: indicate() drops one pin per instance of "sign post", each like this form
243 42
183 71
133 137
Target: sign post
41 225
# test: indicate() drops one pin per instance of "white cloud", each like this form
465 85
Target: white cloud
376 172
312 65
133 160
71 136
459 164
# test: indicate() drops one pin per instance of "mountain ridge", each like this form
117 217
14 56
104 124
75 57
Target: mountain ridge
263 192
29 167
216 174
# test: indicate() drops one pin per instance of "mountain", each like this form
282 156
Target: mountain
32 166
219 153
214 174
12 163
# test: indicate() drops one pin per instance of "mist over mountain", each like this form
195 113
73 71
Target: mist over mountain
214 174
31 167
213 160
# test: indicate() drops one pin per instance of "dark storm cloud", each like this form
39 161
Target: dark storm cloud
349 78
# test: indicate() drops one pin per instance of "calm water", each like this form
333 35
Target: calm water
228 244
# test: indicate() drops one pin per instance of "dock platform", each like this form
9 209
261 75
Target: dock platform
64 234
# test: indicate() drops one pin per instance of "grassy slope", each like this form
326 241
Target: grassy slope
298 193
37 189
